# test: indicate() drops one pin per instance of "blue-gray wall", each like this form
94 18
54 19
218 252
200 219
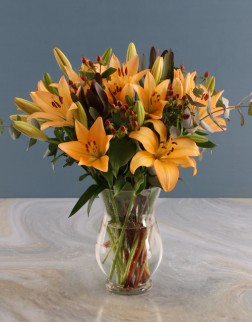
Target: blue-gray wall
211 35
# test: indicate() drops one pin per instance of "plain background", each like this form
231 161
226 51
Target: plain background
211 35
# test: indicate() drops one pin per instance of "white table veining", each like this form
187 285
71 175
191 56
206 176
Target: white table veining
48 271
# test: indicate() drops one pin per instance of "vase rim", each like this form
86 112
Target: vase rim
131 190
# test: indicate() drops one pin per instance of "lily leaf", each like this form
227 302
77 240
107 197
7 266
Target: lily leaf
91 192
15 134
83 176
1 127
31 143
108 72
250 108
120 152
208 145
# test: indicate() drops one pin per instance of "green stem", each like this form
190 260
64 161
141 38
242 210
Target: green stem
115 211
120 240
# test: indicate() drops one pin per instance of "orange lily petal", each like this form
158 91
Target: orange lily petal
162 88
149 84
160 128
114 62
97 133
141 158
144 98
99 163
185 162
147 137
184 146
81 132
167 173
64 92
132 65
177 87
75 149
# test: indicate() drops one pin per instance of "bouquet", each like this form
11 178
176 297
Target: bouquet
130 126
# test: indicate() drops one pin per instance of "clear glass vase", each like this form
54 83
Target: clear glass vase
129 247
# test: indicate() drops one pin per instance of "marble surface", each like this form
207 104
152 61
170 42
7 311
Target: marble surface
48 271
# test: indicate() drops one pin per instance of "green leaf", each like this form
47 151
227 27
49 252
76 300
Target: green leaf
198 91
120 152
198 104
93 190
108 72
1 127
55 159
83 176
31 143
90 203
208 144
109 176
15 134
89 75
140 184
35 123
198 138
119 184
201 133
250 108
129 100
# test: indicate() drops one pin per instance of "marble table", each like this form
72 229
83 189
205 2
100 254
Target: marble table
48 271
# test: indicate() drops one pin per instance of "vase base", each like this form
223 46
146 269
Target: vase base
119 289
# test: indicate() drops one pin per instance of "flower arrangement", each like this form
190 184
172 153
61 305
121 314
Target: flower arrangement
130 128
127 128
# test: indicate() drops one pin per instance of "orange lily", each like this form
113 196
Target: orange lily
58 111
165 155
123 79
183 85
91 147
153 96
217 123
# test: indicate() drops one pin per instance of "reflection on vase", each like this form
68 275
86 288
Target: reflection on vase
129 247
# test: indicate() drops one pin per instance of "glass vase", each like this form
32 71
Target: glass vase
129 247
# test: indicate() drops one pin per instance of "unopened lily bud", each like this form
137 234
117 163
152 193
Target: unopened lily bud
131 51
106 56
30 130
26 106
210 84
47 80
18 117
139 110
81 115
61 59
157 69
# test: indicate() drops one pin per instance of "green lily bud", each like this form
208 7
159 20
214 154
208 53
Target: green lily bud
47 80
139 110
131 51
26 106
61 59
18 117
106 56
81 115
157 69
210 84
30 130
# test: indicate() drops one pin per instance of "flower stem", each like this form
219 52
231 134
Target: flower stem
120 240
